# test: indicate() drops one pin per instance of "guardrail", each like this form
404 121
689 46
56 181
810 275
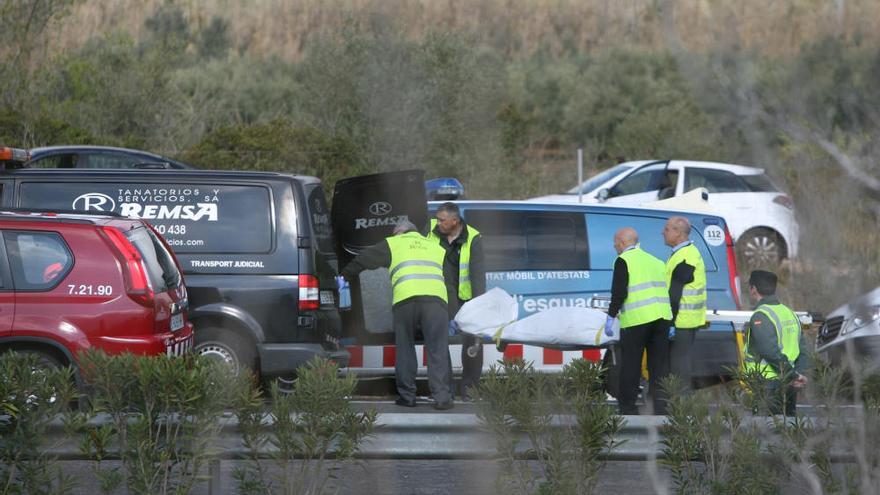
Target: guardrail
423 436
426 436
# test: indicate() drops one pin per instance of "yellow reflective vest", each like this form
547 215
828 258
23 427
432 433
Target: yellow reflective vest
692 307
416 267
647 297
465 293
788 334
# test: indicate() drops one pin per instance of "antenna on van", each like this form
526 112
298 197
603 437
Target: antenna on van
580 175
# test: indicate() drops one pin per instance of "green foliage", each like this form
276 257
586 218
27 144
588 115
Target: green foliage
713 450
314 431
163 413
277 146
31 395
213 41
526 412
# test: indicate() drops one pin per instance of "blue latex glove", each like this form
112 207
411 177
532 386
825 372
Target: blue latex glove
453 328
609 332
344 292
671 333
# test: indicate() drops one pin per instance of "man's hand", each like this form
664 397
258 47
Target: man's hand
672 333
609 322
800 381
454 329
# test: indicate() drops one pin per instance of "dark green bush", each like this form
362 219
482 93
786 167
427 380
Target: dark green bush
31 396
562 420
163 413
314 432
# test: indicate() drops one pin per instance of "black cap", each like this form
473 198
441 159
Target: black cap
764 281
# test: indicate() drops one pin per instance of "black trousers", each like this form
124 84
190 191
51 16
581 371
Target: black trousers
681 361
431 317
779 400
471 366
653 337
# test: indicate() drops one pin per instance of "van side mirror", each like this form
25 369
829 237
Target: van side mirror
603 195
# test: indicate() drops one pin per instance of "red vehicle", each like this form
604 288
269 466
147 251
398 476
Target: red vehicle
72 282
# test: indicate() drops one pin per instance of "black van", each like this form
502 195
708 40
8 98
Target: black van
256 249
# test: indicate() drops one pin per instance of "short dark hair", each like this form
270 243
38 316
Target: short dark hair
763 281
450 208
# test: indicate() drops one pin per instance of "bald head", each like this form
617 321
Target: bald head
625 238
676 231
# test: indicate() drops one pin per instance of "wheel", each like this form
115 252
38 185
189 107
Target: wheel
759 248
44 363
227 347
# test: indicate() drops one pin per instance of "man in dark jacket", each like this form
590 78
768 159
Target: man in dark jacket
775 345
465 275
686 279
640 297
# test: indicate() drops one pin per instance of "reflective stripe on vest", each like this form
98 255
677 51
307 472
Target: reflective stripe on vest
788 333
647 297
465 292
416 267
692 306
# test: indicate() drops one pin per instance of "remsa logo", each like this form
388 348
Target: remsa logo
380 208
94 202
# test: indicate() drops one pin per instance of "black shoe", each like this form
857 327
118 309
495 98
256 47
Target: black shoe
443 406
405 403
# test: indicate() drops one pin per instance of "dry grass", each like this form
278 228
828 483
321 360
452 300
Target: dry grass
516 27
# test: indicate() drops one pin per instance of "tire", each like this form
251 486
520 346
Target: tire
226 346
45 362
760 248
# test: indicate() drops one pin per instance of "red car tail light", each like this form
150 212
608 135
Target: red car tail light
135 274
309 294
733 274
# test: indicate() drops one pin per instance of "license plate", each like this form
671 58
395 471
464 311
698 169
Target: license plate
176 322
327 297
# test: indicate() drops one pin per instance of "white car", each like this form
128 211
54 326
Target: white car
760 216
852 330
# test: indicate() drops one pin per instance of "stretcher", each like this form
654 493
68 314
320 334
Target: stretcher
493 317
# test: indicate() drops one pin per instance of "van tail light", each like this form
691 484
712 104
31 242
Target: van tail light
309 293
733 274
135 274
785 201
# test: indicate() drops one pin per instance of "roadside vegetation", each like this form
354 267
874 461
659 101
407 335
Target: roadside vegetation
499 94
152 425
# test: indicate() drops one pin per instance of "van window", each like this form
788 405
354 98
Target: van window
158 262
531 240
602 228
319 215
39 260
193 218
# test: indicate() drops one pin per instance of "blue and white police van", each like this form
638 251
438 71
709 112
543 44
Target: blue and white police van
547 255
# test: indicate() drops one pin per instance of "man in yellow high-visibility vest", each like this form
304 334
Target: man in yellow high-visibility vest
415 265
639 295
686 278
465 275
775 345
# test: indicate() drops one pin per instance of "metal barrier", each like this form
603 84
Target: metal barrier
422 436
427 436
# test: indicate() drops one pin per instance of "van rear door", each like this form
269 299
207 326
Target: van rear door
364 212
